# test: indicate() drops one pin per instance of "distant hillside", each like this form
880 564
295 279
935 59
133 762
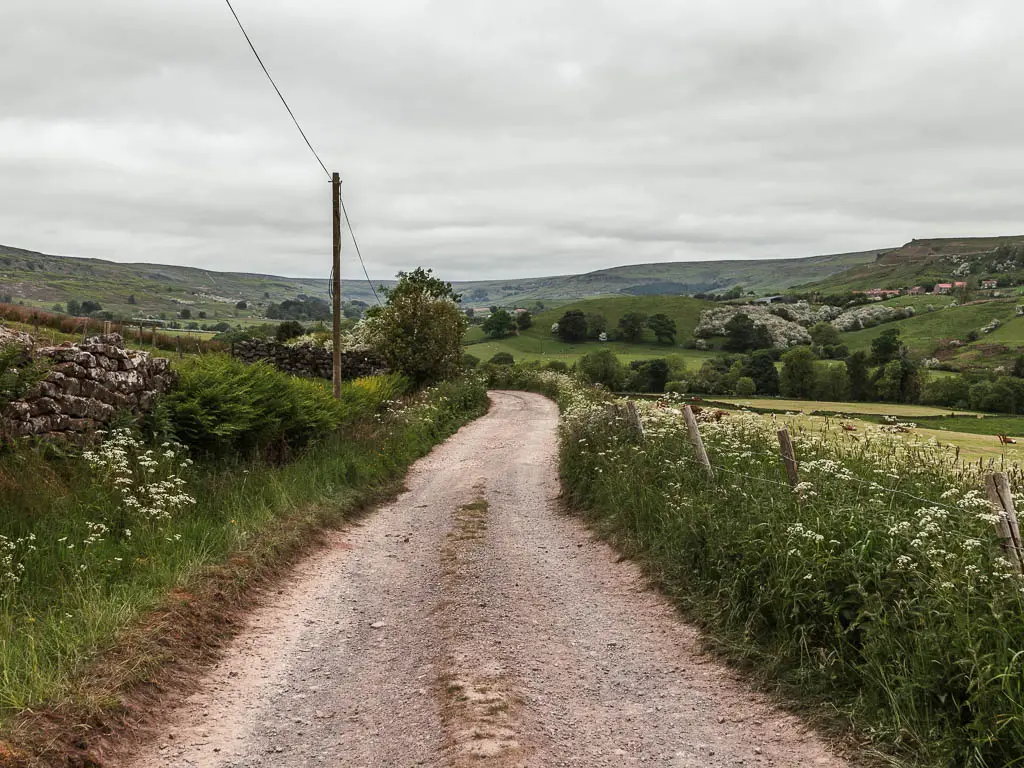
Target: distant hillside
150 289
931 261
762 276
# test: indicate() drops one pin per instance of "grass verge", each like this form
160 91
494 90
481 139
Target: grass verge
86 651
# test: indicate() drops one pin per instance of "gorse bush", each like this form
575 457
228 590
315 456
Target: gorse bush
876 585
222 406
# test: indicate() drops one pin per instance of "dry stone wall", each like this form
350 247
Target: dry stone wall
85 387
310 360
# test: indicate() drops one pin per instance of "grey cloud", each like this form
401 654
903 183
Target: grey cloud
515 139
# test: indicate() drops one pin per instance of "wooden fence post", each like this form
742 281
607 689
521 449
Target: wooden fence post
634 418
1001 498
698 443
789 457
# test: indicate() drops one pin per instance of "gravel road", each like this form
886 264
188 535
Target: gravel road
471 623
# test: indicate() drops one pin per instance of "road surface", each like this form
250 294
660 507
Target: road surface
471 623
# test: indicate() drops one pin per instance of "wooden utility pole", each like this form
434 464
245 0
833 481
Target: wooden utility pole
336 282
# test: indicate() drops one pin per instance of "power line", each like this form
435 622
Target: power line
355 242
279 94
308 144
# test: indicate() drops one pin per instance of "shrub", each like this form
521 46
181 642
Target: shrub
745 386
502 358
559 366
222 406
602 367
289 329
470 361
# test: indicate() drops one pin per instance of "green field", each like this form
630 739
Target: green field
807 406
923 332
526 349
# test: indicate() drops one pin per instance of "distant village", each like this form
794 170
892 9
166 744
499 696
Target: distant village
940 289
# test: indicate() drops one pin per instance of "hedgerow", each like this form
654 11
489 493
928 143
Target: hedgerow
876 585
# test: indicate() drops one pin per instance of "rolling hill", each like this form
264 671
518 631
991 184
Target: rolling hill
130 289
929 261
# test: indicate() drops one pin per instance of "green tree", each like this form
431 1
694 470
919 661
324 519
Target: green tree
185 314
631 326
470 361
886 347
824 335
499 324
745 386
602 367
573 326
419 330
798 377
89 306
241 305
74 307
899 381
502 358
760 367
664 328
832 383
953 391
289 329
859 375
524 320
596 324
739 333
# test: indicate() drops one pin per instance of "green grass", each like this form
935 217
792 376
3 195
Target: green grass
75 598
922 332
808 406
531 349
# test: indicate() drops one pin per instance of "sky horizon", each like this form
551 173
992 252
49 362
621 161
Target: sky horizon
494 142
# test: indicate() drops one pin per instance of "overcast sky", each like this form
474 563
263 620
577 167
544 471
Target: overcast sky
507 139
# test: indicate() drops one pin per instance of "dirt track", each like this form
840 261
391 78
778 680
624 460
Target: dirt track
443 631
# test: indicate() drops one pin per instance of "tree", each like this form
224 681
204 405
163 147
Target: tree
760 367
602 367
649 375
89 306
289 329
499 324
573 326
798 375
664 328
502 358
745 386
202 315
596 324
131 299
419 330
859 376
824 335
524 320
899 381
470 361
739 333
470 312
631 326
831 382
953 391
186 314
74 307
886 346
241 305
1018 367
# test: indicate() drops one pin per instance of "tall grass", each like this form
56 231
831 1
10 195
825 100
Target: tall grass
876 587
86 565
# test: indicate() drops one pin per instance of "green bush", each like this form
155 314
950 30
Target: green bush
745 386
470 361
602 367
222 406
502 358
